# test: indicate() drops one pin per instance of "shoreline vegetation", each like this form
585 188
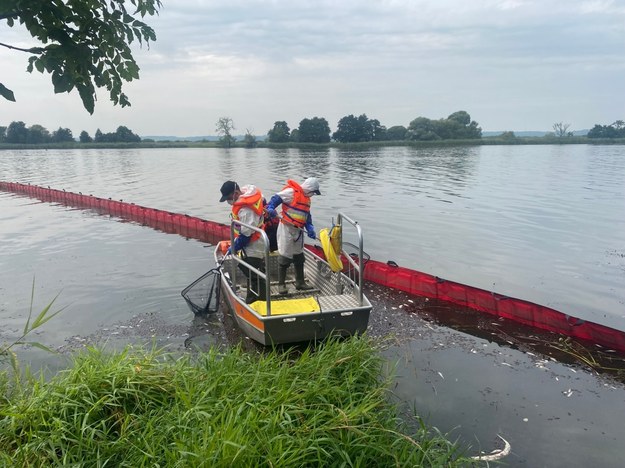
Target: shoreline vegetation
545 140
327 406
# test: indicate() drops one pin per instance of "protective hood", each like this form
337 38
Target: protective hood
311 186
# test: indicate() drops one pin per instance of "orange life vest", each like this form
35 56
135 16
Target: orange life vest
296 213
254 201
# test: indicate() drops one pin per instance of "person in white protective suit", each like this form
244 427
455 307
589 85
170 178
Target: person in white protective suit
295 220
248 207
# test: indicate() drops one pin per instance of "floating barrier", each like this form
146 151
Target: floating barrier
386 274
172 223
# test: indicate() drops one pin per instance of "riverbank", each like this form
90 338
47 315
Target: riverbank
546 140
221 408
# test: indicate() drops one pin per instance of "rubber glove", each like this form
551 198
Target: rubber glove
274 203
240 242
310 230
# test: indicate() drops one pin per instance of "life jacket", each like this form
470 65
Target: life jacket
254 201
296 213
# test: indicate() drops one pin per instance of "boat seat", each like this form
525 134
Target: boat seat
288 306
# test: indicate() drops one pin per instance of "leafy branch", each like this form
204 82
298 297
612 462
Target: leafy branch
87 43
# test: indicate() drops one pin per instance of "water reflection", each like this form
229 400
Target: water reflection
315 163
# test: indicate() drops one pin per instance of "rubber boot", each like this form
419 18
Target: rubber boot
300 283
283 266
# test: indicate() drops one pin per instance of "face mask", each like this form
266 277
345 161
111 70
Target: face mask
308 194
230 202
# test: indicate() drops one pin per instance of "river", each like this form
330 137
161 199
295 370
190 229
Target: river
540 223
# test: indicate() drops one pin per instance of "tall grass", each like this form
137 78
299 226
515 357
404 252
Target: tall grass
327 407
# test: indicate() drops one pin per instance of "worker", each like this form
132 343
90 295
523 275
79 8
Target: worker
295 219
247 207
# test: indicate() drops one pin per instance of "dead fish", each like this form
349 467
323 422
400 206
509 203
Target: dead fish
495 454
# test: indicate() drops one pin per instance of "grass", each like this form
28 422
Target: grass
327 407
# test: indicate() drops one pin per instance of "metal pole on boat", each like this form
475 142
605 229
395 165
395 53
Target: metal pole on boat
340 218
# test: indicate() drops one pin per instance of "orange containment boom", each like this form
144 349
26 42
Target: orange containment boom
386 274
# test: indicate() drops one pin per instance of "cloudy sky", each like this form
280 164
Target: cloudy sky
512 64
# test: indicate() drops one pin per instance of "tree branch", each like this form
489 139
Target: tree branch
14 14
32 50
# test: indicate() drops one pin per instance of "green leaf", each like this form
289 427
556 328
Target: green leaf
43 316
6 93
62 82
87 96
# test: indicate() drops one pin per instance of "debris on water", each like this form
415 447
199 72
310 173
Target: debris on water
525 419
441 375
567 393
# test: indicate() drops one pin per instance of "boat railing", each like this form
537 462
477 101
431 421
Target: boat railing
241 260
354 268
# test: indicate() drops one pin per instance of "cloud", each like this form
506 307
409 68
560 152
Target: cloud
512 64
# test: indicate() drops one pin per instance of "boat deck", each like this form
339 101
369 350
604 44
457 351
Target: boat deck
331 290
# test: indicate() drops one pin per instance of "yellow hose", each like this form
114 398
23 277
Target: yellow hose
328 249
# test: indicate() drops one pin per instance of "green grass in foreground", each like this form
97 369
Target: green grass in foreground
327 407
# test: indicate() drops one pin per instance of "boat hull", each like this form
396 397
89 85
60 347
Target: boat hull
282 329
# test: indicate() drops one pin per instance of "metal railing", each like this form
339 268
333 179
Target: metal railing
260 274
353 266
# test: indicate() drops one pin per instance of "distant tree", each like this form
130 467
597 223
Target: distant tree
462 117
125 135
422 129
17 132
396 133
560 129
224 128
616 130
352 129
249 140
3 134
294 135
86 43
98 136
280 133
356 129
38 134
455 127
315 130
84 137
62 135
509 135
378 131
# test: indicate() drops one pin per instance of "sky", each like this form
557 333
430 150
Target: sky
519 65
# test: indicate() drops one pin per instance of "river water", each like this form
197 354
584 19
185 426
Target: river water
541 223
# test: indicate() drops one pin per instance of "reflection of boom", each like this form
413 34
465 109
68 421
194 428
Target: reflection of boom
386 274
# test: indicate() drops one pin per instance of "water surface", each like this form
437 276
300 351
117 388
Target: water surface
542 223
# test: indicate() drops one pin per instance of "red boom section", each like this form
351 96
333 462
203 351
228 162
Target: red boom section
518 310
173 223
404 279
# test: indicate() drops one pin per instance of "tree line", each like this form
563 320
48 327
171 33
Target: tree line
352 129
616 130
19 133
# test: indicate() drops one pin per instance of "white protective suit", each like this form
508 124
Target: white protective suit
291 238
248 216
